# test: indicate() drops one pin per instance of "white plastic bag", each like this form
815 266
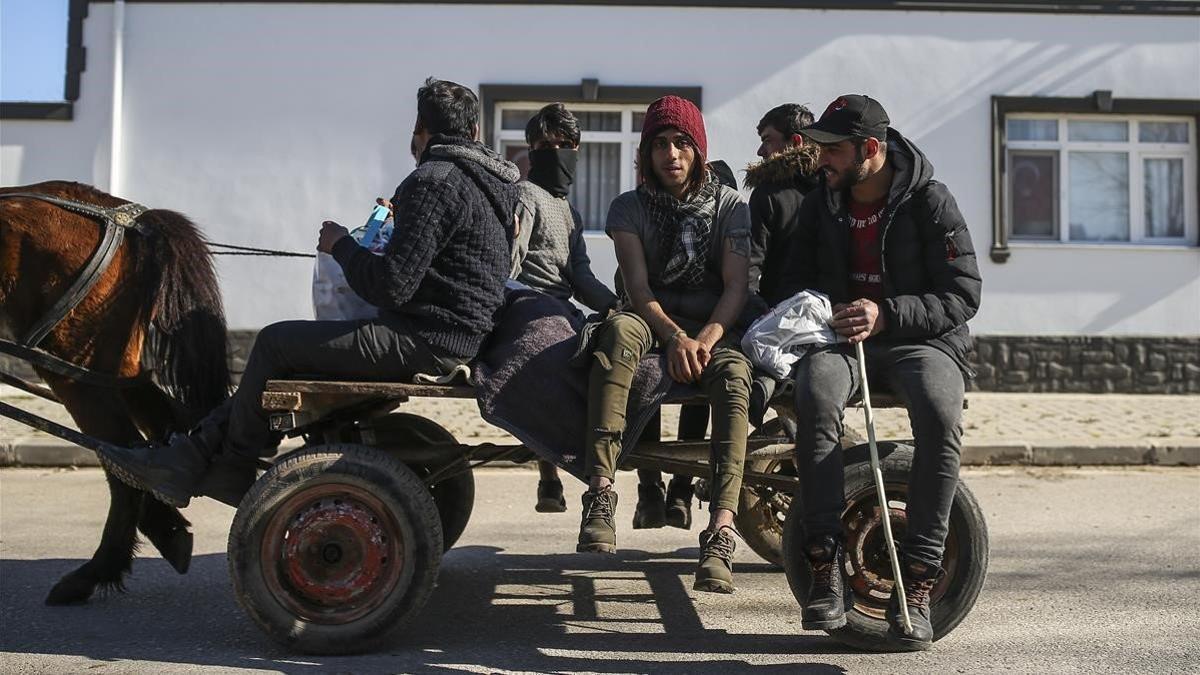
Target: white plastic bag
779 338
333 299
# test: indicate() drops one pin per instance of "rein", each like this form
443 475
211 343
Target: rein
250 250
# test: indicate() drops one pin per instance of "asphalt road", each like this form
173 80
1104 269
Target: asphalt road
1092 570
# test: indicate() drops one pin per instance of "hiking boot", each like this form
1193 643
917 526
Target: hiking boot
550 497
679 503
919 580
825 607
714 574
170 472
598 528
651 508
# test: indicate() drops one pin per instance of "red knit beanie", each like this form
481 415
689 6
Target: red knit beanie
673 111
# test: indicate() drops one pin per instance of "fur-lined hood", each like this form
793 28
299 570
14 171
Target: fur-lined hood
795 166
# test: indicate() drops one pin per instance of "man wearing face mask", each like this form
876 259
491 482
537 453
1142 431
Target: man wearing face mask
549 254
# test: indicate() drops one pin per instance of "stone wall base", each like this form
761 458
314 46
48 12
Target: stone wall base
1088 365
1085 365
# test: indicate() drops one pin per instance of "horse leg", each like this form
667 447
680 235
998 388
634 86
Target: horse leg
113 558
99 414
162 524
167 529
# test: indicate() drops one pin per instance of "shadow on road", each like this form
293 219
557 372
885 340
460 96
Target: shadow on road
491 610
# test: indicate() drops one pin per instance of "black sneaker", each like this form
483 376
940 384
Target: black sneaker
550 497
825 607
598 527
679 502
651 506
919 580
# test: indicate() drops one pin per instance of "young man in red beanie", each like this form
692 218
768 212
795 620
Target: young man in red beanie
683 244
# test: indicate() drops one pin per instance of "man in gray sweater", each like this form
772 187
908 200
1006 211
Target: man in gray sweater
549 254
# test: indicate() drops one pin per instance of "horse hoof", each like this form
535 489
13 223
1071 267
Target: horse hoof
70 590
178 551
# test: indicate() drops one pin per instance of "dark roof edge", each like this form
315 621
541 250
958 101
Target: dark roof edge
1130 7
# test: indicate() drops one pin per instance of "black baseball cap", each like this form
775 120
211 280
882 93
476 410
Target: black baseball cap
849 116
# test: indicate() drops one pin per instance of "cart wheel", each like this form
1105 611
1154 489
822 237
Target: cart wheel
335 549
454 494
762 510
868 564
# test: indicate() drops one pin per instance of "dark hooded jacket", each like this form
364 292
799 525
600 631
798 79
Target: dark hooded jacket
443 271
931 281
780 183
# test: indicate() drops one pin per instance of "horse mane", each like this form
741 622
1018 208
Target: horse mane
187 343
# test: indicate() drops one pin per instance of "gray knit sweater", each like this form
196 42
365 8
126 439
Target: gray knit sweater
550 255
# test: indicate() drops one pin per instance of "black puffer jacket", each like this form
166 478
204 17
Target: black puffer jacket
780 183
931 281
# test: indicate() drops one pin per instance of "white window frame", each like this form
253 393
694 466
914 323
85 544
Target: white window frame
627 137
1135 151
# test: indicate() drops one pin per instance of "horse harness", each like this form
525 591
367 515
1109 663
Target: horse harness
115 222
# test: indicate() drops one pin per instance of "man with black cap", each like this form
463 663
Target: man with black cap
887 243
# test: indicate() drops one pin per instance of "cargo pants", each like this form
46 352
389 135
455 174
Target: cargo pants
619 345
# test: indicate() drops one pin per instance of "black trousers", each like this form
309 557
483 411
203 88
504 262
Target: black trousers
372 349
932 387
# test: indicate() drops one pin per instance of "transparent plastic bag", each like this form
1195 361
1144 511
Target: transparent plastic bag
332 297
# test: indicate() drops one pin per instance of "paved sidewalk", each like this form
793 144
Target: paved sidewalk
1040 429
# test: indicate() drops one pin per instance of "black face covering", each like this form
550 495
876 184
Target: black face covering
553 169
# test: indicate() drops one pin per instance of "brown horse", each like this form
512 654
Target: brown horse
156 308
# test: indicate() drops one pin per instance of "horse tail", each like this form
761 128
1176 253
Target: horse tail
187 344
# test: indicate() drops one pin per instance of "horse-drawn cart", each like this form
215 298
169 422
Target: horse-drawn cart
337 546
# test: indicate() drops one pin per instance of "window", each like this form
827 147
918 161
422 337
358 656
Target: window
610 120
1095 171
609 136
1108 180
49 35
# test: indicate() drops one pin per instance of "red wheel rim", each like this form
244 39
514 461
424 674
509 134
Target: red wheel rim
332 553
868 566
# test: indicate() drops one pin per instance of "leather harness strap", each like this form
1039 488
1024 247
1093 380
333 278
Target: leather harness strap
115 221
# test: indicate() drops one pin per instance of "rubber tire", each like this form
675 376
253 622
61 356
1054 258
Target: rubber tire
966 521
760 524
389 480
454 495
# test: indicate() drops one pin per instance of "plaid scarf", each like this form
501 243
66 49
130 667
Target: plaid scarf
684 232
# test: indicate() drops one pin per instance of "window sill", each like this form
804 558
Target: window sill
1118 246
23 110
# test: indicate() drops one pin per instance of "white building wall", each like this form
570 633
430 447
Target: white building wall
261 120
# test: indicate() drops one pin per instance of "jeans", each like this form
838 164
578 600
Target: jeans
369 349
931 386
619 345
